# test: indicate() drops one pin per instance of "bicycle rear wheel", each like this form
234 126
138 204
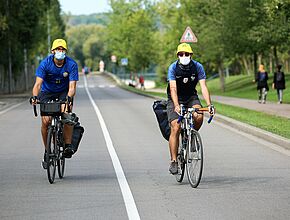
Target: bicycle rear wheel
51 155
194 159
60 164
180 160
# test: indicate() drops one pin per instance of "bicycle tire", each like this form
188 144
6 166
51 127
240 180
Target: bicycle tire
194 159
50 156
180 160
60 165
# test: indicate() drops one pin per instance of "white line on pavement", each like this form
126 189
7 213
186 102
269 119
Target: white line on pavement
11 107
125 189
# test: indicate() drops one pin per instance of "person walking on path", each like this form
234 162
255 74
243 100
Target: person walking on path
142 81
262 84
279 83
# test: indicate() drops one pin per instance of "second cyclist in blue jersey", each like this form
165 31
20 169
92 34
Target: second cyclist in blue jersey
183 76
56 78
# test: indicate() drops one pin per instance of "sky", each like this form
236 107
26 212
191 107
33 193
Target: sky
84 7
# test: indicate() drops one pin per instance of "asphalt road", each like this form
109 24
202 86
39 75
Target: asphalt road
121 168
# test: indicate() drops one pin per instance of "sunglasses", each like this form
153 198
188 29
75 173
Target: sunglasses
181 54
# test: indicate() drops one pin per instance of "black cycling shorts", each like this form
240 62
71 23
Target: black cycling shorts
172 115
48 96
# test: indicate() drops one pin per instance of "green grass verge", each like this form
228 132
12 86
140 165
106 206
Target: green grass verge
242 86
274 124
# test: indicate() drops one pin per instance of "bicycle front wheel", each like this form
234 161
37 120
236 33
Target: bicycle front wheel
194 159
60 164
180 160
51 155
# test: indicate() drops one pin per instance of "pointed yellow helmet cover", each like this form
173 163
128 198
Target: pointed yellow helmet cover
184 47
59 43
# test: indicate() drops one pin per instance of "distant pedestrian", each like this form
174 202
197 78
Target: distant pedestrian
86 70
262 84
279 83
142 81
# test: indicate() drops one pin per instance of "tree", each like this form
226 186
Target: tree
130 32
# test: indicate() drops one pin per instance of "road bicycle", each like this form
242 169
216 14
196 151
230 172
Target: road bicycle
190 148
55 140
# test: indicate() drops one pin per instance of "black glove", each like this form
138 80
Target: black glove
33 100
211 109
69 103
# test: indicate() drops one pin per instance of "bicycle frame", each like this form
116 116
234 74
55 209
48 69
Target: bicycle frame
190 152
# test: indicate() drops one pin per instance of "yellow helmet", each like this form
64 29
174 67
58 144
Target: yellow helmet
59 43
184 47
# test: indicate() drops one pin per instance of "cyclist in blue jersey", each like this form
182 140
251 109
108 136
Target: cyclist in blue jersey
56 78
183 76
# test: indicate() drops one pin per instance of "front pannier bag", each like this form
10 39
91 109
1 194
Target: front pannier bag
159 108
50 109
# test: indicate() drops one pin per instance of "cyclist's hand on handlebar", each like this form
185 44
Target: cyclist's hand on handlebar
33 100
211 109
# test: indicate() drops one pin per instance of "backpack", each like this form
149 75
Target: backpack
77 135
159 108
262 77
279 76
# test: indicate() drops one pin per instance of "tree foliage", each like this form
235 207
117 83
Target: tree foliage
232 35
130 33
23 36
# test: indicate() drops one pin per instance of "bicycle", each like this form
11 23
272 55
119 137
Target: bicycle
190 149
55 140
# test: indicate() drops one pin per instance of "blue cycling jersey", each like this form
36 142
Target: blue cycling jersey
172 70
56 79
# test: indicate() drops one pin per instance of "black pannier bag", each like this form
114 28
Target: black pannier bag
159 108
77 136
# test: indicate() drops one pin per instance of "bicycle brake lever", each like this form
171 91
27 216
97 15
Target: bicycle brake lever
180 117
35 111
210 119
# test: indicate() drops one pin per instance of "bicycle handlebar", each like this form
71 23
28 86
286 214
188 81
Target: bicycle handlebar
38 102
183 111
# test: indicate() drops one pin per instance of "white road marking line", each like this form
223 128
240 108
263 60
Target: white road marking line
131 208
11 107
94 86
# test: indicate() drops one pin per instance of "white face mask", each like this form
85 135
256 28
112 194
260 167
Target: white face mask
184 60
59 55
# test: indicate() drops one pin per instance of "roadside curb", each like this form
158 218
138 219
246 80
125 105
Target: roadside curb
237 125
257 132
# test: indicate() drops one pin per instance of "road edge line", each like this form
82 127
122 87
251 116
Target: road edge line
128 198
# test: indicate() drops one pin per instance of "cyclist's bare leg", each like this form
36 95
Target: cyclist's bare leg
67 129
173 139
198 118
45 122
67 134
